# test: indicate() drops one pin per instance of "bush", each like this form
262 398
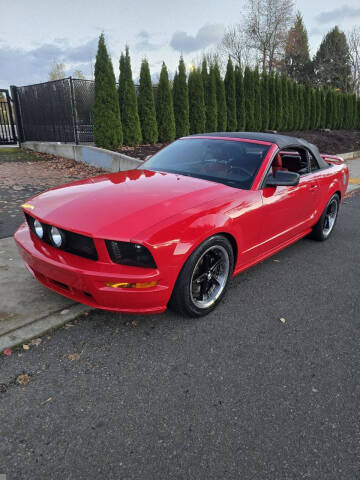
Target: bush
220 101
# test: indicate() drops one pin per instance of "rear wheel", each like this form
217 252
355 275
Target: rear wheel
322 230
203 279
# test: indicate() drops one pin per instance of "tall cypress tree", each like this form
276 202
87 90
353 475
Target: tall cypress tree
285 95
211 107
279 103
265 101
313 113
146 105
164 108
107 122
295 109
229 82
302 107
121 86
272 102
257 100
196 102
240 99
318 107
322 108
249 100
329 109
291 100
297 58
181 101
220 100
307 107
129 112
204 76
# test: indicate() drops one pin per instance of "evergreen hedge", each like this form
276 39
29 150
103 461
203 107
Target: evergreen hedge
249 100
211 107
196 102
220 101
265 101
257 101
229 82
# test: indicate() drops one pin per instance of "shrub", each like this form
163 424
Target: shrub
220 101
181 101
146 105
229 82
164 108
196 102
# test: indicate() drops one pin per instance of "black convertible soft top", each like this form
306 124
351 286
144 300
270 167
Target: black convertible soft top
282 141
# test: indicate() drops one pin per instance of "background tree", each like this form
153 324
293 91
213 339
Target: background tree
211 107
181 101
129 110
234 44
332 61
297 62
220 101
249 100
78 74
121 87
107 122
266 25
265 101
353 38
229 82
257 100
196 102
146 105
240 99
57 71
164 108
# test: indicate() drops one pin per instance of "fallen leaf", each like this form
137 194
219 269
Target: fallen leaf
275 260
64 312
35 341
69 325
8 352
73 356
23 379
46 401
26 347
282 320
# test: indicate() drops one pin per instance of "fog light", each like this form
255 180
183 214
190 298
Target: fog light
38 229
131 285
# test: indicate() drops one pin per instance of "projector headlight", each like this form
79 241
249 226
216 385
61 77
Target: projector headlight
127 253
39 229
57 237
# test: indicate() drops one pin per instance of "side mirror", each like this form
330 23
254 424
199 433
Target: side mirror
148 157
283 179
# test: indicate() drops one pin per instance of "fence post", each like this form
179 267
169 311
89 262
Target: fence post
73 111
19 125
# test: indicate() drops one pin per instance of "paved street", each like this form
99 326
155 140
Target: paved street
235 395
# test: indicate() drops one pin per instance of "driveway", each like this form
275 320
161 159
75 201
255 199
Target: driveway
238 394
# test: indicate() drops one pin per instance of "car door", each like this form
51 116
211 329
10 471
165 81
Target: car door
288 210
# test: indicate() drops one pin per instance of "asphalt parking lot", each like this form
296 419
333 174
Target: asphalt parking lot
235 395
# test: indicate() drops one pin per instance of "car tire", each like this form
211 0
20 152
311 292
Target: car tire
202 282
324 227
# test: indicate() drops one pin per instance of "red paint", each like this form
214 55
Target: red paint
171 215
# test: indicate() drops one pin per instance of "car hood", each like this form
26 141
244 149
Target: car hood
119 205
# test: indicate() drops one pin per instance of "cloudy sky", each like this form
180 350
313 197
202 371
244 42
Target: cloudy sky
34 35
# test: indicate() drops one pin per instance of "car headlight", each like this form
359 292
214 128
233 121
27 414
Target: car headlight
127 253
39 229
57 237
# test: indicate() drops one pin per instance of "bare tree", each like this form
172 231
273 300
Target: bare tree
57 71
353 38
266 25
235 44
78 74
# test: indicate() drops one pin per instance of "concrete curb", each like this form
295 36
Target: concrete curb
41 326
98 157
349 155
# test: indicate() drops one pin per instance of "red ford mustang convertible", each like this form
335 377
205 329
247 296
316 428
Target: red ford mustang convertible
174 231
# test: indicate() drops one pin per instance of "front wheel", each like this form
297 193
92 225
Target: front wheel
203 279
326 223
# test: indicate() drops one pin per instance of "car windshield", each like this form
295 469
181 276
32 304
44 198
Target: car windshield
233 163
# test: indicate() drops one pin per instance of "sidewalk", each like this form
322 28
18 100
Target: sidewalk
28 310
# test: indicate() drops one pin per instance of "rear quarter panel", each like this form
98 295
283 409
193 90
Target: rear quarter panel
331 180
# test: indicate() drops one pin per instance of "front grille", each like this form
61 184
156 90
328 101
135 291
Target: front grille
74 243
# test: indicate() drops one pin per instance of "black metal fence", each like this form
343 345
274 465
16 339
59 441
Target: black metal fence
56 111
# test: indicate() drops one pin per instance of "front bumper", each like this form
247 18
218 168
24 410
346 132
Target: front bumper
85 280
